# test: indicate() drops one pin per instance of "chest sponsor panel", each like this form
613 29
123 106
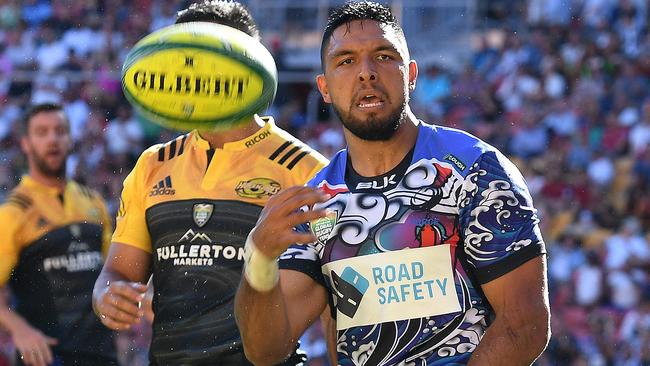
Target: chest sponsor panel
197 248
68 249
392 286
200 232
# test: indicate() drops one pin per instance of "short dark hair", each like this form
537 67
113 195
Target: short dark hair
357 10
36 109
230 13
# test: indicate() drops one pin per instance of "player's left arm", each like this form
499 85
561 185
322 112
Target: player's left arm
521 328
504 244
329 331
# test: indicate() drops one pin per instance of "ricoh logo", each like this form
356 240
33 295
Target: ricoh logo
163 188
257 138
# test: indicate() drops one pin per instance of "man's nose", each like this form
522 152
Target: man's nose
367 71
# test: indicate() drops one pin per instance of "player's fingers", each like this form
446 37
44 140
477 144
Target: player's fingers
126 305
37 358
300 238
139 287
45 353
120 315
114 324
305 216
127 290
279 198
308 199
26 356
51 341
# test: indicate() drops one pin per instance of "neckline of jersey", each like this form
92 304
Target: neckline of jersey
239 145
352 178
34 184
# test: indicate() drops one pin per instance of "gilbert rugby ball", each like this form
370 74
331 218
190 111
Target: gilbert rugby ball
199 75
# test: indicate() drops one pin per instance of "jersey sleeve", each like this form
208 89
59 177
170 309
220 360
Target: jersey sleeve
131 225
303 258
9 249
312 164
499 222
107 224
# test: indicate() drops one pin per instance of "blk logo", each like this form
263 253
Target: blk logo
379 183
350 287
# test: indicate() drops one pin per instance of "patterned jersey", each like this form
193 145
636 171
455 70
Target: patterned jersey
192 207
404 254
51 252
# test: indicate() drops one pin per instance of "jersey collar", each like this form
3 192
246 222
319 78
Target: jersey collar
267 123
36 185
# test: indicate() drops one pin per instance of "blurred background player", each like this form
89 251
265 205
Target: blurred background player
185 212
52 237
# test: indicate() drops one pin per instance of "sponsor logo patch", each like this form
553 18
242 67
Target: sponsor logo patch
163 188
322 227
454 160
202 213
196 248
257 188
395 285
379 183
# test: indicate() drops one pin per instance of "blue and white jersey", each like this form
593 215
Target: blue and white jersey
404 254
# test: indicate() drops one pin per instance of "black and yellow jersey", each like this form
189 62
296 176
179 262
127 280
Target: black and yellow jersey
51 252
192 207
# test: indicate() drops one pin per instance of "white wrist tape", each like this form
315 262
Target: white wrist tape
261 272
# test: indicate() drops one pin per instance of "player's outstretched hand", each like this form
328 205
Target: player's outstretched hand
118 304
33 346
274 231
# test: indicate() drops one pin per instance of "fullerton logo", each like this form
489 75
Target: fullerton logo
257 188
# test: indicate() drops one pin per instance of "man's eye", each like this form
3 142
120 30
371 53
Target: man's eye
383 57
347 61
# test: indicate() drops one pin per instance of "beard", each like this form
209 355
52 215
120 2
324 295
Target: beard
373 128
48 170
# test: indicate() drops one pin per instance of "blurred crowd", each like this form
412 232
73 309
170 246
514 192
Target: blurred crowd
561 86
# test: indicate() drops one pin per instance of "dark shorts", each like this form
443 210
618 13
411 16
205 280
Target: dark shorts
72 359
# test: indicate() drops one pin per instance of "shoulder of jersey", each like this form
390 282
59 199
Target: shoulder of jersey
19 198
167 151
87 192
289 152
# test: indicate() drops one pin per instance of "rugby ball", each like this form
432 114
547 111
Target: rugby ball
199 75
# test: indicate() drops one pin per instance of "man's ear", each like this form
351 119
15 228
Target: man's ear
413 75
322 87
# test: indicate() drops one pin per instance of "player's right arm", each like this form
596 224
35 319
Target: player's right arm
121 285
30 342
289 305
